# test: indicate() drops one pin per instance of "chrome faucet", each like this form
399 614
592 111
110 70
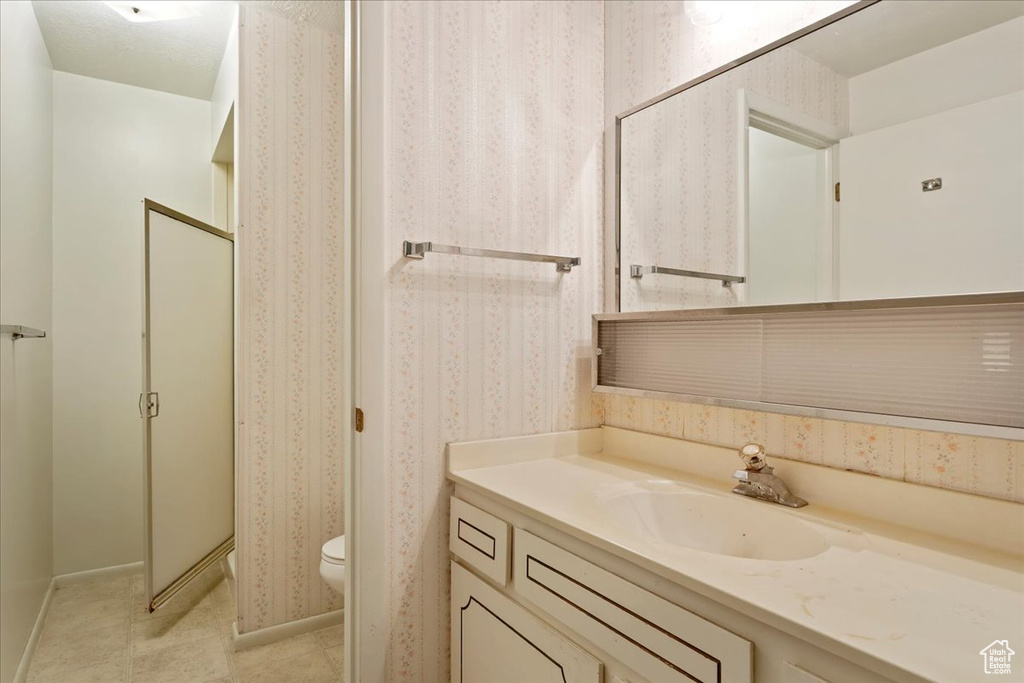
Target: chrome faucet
758 480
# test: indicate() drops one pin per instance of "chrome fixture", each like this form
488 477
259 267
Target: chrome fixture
759 481
931 184
636 271
417 250
21 332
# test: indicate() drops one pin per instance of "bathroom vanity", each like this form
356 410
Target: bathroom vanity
608 555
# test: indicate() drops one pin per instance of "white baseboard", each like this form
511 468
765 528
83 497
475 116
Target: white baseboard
33 640
98 574
272 634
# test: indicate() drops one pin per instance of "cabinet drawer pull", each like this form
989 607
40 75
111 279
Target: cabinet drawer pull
476 538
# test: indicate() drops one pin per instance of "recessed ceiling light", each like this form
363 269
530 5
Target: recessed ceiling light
141 11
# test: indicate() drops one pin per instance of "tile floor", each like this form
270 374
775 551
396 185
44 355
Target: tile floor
100 632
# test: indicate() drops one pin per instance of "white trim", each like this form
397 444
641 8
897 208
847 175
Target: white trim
350 75
806 130
37 630
793 117
833 214
98 574
272 634
366 530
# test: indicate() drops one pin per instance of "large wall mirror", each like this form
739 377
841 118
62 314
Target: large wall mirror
878 156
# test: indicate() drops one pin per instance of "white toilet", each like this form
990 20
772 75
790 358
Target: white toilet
332 563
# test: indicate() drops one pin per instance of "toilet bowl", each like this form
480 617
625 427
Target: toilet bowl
332 563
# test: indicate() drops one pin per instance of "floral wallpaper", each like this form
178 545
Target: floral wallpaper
291 291
493 129
988 467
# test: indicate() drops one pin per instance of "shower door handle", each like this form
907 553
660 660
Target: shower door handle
152 408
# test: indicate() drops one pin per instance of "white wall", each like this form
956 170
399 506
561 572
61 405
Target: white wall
936 114
222 100
114 145
26 519
977 67
895 240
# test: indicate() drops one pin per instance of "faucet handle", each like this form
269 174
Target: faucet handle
753 456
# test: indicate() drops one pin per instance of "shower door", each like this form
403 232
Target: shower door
187 399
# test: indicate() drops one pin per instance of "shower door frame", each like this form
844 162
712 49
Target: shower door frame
147 406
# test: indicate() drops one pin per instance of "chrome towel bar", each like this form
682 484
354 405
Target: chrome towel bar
20 331
417 250
727 280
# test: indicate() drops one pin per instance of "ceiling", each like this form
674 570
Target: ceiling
328 15
180 56
890 31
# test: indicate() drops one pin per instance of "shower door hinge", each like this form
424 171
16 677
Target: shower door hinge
837 192
359 419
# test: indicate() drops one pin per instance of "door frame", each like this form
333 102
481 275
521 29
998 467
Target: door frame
367 603
784 121
155 601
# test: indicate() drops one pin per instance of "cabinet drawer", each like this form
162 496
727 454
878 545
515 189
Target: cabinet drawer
480 539
658 639
494 640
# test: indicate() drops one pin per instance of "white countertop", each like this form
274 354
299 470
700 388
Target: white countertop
888 593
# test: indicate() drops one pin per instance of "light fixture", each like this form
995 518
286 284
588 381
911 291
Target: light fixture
703 12
142 11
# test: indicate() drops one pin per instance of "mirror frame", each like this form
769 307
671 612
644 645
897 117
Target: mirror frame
811 28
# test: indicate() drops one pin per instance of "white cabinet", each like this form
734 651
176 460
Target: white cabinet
494 640
654 637
523 605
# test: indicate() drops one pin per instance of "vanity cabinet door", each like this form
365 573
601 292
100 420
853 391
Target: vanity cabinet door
656 638
494 640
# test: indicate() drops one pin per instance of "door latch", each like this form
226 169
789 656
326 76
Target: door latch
359 419
152 404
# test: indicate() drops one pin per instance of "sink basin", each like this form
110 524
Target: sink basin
715 524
